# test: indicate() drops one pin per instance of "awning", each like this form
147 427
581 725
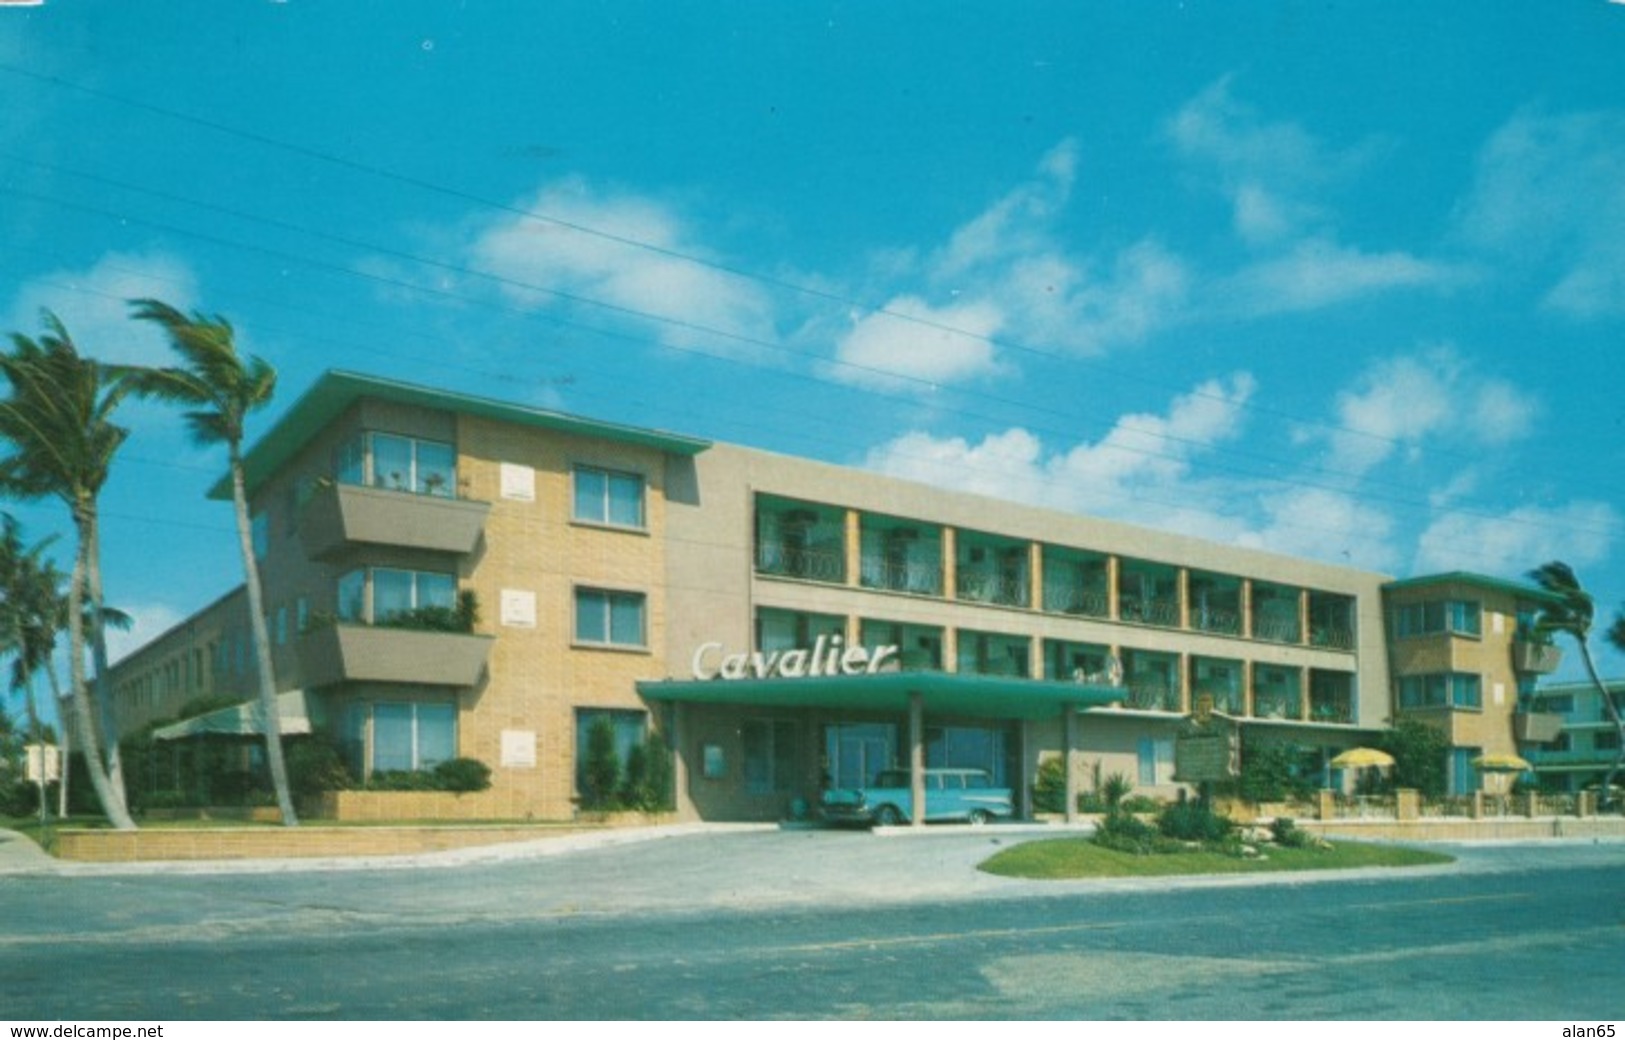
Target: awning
242 720
981 696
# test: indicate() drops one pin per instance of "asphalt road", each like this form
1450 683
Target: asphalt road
766 925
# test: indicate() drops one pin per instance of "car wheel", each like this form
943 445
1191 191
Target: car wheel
980 817
888 816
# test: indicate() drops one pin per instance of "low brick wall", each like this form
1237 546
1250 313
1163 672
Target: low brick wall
303 842
1505 828
367 806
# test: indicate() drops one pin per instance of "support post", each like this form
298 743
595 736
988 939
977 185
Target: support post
916 757
1071 752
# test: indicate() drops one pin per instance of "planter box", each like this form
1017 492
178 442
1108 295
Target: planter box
1535 658
343 515
1533 727
371 653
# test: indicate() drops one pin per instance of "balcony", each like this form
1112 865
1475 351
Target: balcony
1534 658
343 515
344 652
1536 727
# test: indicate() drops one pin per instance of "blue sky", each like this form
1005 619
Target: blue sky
1344 280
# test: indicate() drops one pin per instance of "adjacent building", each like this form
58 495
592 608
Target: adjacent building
456 576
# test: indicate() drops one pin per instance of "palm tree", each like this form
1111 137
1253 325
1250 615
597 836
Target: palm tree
31 615
221 388
57 440
1571 611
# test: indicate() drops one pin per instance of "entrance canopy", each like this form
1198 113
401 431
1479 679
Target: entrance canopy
242 720
942 693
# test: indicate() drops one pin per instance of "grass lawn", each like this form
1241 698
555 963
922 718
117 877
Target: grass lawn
1082 858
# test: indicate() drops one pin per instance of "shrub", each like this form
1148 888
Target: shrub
1289 836
462 774
315 766
20 797
601 772
1193 820
1049 789
1124 833
1115 789
1140 803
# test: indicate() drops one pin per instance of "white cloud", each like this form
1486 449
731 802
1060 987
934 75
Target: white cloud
94 304
1579 533
1319 272
1005 273
1401 401
1549 194
1139 470
148 622
1327 525
911 342
547 263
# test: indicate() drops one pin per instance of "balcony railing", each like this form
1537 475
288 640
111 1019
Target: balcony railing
918 578
1151 696
1276 630
1330 710
1225 699
982 587
792 561
1221 622
1334 637
1062 600
1154 611
1275 706
1535 658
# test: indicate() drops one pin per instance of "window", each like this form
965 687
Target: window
259 527
610 618
1156 762
1441 690
395 594
400 463
628 728
1458 617
770 756
412 735
281 626
605 497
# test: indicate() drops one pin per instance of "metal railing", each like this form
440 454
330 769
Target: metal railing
982 587
788 561
921 579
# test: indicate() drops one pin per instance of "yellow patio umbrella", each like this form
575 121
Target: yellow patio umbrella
1362 758
1501 762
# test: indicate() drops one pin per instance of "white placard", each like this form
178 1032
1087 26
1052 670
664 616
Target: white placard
519 608
519 749
518 482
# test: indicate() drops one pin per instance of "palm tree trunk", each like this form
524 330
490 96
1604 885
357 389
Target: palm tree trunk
35 728
270 717
1604 796
64 738
98 651
111 801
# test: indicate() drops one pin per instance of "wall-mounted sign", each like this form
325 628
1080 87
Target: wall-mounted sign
519 749
518 483
830 655
518 608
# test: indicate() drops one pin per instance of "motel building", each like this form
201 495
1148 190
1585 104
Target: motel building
785 625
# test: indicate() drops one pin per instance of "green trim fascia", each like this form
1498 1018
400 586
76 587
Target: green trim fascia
942 693
1483 581
335 391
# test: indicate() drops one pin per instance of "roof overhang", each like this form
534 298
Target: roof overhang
332 394
941 693
242 720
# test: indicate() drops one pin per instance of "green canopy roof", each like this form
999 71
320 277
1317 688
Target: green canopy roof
242 720
983 696
335 391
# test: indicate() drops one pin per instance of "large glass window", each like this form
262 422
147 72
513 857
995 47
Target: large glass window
800 540
989 569
794 630
610 618
606 497
1441 690
1457 617
1075 582
412 735
397 462
1152 679
919 647
772 764
986 653
900 555
627 726
1148 593
1221 679
395 595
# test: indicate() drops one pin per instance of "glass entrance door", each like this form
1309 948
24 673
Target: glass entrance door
855 751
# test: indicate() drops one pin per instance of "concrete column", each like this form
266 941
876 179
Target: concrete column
1113 566
1585 804
1070 750
1531 804
1035 575
679 742
1184 593
1407 804
1303 615
1247 615
1247 669
1328 805
1029 768
1303 694
1477 809
854 547
916 756
950 564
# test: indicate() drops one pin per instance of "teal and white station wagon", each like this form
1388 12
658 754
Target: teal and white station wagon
964 795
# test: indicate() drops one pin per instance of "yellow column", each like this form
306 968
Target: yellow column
1035 575
1113 565
950 570
854 547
